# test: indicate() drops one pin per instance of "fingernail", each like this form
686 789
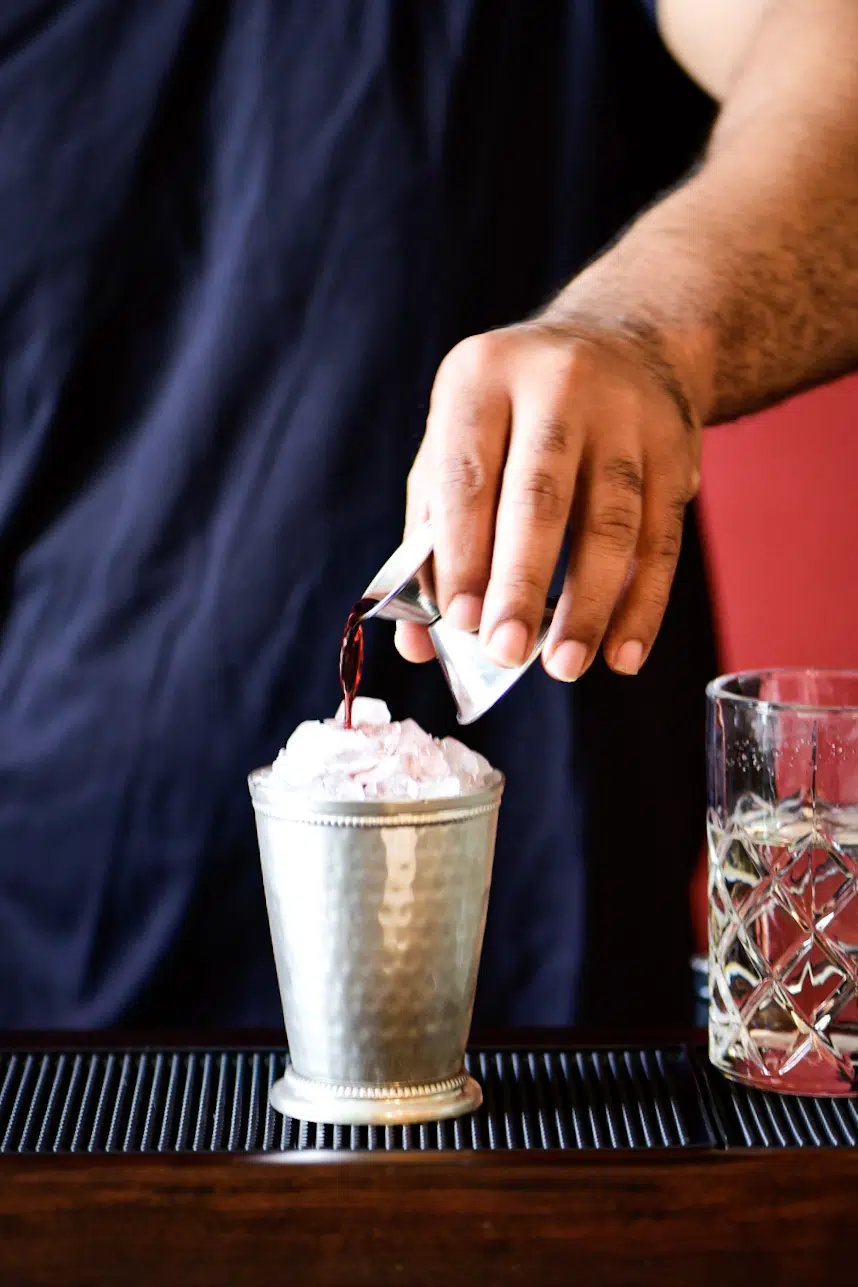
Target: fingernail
508 644
629 657
567 661
464 612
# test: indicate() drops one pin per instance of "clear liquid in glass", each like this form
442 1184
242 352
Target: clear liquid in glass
783 946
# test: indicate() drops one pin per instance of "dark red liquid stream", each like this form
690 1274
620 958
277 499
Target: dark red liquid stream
351 656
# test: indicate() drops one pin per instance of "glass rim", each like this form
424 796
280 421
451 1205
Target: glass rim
718 689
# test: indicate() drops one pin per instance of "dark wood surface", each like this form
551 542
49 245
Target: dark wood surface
780 1217
692 1218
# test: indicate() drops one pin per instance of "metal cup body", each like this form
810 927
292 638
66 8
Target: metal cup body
377 912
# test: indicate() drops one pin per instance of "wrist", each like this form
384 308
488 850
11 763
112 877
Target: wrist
638 336
655 295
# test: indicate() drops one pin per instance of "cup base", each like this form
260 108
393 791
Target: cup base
343 1105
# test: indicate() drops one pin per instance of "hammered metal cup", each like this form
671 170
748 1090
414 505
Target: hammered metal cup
377 911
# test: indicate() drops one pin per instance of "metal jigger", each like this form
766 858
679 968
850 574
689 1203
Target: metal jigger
405 591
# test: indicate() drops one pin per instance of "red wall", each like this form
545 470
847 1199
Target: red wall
779 506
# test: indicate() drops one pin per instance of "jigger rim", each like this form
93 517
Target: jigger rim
401 569
295 806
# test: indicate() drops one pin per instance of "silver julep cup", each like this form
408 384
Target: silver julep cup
377 911
403 590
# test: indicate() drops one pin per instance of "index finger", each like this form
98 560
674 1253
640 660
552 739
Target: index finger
467 431
533 512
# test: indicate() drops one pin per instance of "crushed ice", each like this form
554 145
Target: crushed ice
376 759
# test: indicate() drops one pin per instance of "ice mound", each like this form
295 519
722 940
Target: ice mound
376 759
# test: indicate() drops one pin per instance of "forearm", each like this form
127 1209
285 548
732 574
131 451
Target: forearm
742 285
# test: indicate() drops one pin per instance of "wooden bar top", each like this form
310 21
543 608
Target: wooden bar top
692 1217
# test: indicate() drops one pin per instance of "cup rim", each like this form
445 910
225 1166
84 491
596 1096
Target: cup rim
718 689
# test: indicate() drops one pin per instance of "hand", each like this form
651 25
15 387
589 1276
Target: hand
531 429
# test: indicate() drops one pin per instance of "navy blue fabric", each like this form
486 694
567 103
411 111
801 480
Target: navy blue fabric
235 241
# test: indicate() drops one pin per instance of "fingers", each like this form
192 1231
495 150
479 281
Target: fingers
636 623
606 527
455 480
628 538
533 511
524 430
502 484
467 433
